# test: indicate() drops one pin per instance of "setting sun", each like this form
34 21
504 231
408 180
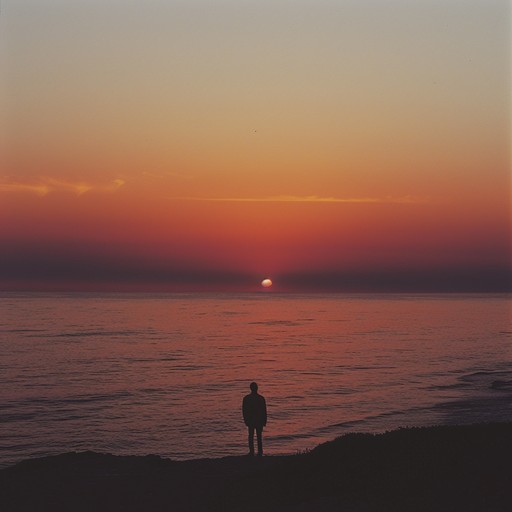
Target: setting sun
266 283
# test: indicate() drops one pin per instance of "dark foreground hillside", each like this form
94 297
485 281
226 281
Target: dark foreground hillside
464 468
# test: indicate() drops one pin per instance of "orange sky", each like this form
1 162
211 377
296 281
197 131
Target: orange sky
328 145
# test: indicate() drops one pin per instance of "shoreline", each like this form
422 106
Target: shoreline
450 468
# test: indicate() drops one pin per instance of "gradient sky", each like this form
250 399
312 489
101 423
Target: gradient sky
201 145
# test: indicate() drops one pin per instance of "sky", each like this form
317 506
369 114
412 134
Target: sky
331 145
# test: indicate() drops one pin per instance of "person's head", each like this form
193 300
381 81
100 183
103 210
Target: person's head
254 387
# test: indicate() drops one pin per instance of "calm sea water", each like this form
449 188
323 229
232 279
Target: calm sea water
165 374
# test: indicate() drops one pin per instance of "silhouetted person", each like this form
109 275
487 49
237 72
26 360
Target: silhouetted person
254 409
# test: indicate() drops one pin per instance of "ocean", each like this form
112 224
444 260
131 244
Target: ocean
165 374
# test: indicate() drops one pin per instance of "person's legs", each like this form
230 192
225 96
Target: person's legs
251 440
259 431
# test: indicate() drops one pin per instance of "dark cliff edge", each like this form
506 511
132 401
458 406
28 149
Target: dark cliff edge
434 469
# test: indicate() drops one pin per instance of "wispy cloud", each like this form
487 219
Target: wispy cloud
45 185
40 190
308 199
